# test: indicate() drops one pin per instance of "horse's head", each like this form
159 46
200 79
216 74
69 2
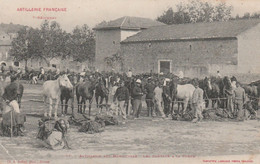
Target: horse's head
207 82
227 82
173 87
64 81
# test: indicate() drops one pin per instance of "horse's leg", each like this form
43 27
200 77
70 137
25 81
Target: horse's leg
44 101
19 100
78 97
72 105
66 105
106 98
62 105
84 102
89 106
56 107
100 104
97 100
50 106
185 102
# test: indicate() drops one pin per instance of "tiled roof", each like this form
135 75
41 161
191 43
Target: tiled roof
194 31
128 23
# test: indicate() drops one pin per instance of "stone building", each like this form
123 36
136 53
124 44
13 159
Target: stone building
5 46
196 49
110 34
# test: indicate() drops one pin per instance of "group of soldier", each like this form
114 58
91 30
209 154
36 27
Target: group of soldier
158 98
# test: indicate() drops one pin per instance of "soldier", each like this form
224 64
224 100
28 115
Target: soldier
158 99
137 96
149 88
166 98
197 102
122 97
240 97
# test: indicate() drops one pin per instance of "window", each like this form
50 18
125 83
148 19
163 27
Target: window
190 47
164 66
16 63
54 65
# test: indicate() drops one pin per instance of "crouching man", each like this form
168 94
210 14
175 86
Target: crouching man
54 137
197 102
11 112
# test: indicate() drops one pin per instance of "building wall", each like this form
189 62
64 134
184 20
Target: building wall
127 33
194 58
4 56
249 53
107 44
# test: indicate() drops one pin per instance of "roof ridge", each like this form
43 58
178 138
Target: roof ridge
123 21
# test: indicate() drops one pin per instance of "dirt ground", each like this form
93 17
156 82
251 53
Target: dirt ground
144 138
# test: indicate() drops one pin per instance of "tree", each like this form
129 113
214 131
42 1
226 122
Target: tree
26 45
196 11
167 17
82 44
54 41
114 60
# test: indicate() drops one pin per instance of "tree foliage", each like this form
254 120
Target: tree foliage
82 43
51 41
114 60
26 45
196 11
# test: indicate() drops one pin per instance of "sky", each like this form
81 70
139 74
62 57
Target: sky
92 12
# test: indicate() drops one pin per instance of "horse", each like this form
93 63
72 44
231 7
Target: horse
52 90
85 91
102 92
212 91
183 92
227 93
66 94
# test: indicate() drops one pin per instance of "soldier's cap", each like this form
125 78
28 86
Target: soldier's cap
138 81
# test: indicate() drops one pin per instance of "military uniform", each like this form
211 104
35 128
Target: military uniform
166 99
158 100
197 102
240 96
149 88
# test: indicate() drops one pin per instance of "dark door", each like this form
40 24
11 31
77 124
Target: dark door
164 67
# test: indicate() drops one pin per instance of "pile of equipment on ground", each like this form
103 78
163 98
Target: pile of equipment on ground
220 114
53 133
12 124
91 126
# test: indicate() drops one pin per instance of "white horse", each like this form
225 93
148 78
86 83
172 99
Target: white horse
185 93
52 90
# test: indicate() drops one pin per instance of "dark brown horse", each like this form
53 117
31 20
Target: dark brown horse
101 92
211 91
66 95
84 91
